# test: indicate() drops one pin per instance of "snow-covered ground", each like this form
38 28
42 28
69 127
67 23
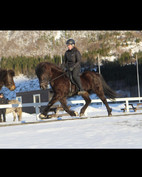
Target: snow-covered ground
106 132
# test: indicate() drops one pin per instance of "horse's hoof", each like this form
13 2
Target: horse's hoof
73 113
42 116
76 113
109 115
81 114
49 117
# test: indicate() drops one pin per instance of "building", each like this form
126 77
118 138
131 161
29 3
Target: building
36 96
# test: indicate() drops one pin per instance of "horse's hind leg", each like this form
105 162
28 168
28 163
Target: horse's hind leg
88 101
98 89
102 97
19 114
14 116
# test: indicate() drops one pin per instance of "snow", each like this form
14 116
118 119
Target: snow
136 47
58 35
109 58
105 132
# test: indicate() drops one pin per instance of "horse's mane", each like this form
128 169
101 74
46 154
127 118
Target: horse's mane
54 66
44 66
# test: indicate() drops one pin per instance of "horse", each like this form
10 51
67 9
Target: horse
15 110
6 79
63 87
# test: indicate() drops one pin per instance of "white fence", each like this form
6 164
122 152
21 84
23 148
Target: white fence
38 105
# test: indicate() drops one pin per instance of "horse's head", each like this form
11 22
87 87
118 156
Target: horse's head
6 78
43 73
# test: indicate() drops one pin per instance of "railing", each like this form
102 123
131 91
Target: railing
126 100
38 105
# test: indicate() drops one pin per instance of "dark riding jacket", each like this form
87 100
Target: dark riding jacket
72 58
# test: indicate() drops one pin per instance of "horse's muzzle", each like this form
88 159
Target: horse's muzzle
43 86
13 87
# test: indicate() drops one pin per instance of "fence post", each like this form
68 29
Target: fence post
127 106
37 111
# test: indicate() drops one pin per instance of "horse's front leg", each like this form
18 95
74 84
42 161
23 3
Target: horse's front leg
44 113
66 108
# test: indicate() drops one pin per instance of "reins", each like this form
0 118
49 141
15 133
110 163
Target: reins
57 77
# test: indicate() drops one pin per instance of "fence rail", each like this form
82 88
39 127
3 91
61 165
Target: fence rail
37 105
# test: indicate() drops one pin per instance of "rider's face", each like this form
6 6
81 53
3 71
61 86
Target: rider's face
69 47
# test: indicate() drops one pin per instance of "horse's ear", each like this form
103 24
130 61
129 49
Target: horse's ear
11 72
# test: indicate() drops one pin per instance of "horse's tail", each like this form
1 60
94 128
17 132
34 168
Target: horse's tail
109 93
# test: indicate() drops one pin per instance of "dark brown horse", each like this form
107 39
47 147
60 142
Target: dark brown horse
62 87
6 79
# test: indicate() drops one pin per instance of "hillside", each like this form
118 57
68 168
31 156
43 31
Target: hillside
41 43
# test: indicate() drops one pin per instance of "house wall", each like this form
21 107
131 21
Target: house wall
27 97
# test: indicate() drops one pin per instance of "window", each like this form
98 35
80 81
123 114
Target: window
36 98
19 98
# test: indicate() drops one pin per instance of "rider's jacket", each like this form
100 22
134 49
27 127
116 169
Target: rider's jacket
72 58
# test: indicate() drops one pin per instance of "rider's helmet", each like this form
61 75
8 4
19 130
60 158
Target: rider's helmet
70 41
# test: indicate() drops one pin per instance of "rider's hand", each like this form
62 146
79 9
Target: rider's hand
71 68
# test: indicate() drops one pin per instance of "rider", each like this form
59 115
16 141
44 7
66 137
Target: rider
71 63
3 100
